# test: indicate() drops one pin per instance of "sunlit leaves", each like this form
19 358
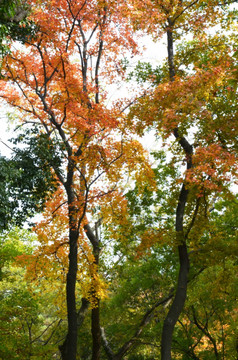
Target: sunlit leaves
85 165
27 318
213 168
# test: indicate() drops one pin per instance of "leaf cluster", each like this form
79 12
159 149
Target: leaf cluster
14 24
28 323
144 72
26 178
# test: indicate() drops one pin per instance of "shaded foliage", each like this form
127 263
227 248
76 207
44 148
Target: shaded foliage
26 178
14 24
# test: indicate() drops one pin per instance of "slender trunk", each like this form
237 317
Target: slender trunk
71 301
80 318
69 347
177 305
170 49
181 291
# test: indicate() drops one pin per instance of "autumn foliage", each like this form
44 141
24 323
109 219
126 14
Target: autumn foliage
116 213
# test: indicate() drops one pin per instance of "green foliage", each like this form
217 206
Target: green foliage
11 245
26 178
7 9
154 209
17 304
140 264
144 72
14 24
209 322
28 322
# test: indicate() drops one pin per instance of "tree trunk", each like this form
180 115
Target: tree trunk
181 291
177 305
96 332
69 348
80 318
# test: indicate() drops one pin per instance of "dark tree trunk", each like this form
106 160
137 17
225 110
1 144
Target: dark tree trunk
170 49
181 291
71 301
80 318
69 347
96 332
177 305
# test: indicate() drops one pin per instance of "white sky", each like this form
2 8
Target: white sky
5 132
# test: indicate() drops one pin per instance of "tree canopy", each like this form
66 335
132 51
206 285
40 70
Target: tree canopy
135 252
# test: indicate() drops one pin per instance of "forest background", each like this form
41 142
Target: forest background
134 254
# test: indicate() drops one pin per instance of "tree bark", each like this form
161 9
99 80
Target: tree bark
170 49
181 291
96 332
69 348
177 305
80 318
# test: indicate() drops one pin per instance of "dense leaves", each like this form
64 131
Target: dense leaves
141 242
29 322
14 24
26 178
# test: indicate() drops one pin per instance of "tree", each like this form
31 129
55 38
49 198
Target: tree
185 104
58 82
58 75
207 326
